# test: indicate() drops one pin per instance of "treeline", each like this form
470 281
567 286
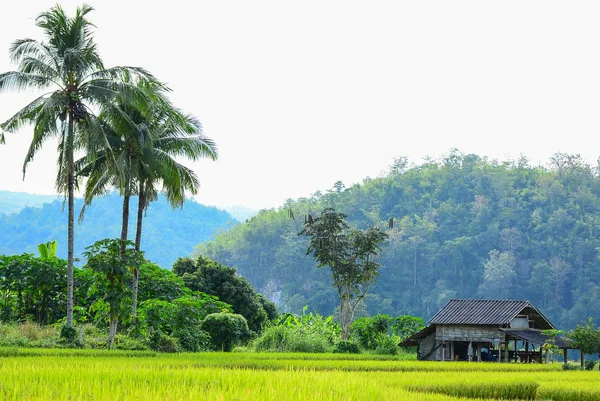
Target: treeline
463 227
176 230
200 305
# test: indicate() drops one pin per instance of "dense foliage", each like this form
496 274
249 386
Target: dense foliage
171 316
222 281
177 230
464 227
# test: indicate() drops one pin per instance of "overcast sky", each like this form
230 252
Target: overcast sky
298 95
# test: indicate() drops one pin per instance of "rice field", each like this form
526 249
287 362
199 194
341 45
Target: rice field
105 375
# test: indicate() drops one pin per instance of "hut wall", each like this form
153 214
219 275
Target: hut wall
468 333
427 344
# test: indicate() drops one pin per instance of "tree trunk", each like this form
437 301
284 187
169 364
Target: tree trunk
125 220
134 296
114 321
71 220
582 360
140 216
415 268
138 241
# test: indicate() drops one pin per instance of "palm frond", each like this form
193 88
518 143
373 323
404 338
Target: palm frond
26 115
15 80
31 48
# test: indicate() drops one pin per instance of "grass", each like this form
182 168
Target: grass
61 374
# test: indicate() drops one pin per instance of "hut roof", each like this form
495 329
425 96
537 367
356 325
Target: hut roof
486 312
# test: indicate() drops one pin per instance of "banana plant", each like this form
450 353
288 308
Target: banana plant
48 249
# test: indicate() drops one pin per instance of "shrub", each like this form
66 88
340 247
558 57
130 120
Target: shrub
346 347
46 343
28 334
386 345
68 334
193 339
291 339
367 329
129 344
225 330
589 365
162 343
568 366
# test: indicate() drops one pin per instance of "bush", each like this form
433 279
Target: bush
291 339
225 330
129 344
68 334
193 339
568 366
367 329
162 343
28 334
589 365
386 345
346 347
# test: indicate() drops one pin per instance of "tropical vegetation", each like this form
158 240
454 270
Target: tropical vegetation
463 227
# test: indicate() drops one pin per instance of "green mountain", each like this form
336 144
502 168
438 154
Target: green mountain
464 227
168 233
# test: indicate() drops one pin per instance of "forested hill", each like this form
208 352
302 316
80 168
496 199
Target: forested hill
465 227
168 233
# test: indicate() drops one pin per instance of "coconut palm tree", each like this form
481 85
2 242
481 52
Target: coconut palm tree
68 68
142 158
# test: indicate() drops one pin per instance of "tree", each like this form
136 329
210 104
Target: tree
585 338
350 255
225 329
498 275
560 270
106 258
405 326
69 66
36 284
222 281
144 147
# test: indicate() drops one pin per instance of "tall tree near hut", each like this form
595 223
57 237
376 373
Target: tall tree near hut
351 255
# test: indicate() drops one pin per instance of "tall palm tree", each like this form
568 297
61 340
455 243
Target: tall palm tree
67 66
142 158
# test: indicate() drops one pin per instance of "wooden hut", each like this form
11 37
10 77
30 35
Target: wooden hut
485 330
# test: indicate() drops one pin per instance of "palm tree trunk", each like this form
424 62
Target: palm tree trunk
140 216
125 221
138 241
71 222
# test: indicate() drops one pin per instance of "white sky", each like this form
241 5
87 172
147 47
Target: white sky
301 94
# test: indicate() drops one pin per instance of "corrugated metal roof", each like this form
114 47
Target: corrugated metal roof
479 311
536 337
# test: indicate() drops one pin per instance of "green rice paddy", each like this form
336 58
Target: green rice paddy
105 375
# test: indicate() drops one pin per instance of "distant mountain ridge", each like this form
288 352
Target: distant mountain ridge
168 233
11 202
